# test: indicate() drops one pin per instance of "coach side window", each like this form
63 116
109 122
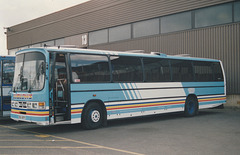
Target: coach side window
182 70
89 68
156 70
218 74
203 71
8 71
126 69
207 71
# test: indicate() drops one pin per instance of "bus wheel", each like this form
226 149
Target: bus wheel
93 116
191 106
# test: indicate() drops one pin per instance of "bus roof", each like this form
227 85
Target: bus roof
138 53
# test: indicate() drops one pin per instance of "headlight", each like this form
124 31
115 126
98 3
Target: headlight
35 105
12 104
29 105
16 104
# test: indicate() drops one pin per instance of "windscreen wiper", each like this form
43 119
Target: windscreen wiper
21 77
39 71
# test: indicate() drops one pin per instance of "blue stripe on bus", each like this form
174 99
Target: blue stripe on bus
129 91
161 101
212 102
37 110
198 84
144 103
123 91
122 111
134 91
117 86
73 116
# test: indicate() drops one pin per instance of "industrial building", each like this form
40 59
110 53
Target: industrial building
209 29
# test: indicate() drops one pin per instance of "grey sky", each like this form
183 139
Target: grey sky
13 12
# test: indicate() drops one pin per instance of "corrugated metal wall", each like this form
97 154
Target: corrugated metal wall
219 42
96 14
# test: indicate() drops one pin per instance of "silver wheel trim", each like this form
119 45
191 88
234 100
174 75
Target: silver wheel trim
95 116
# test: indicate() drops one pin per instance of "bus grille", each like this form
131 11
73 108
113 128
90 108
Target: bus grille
22 105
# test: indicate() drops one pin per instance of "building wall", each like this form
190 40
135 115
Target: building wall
94 15
73 25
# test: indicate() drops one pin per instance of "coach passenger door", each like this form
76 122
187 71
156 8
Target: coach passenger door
61 105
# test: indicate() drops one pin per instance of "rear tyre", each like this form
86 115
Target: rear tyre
92 116
191 107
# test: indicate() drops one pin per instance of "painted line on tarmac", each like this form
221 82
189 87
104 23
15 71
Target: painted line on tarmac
7 135
30 140
48 147
70 140
14 135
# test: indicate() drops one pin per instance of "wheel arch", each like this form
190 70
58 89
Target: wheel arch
192 96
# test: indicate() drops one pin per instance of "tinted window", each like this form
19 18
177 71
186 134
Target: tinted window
218 74
60 71
98 37
89 68
237 11
120 33
146 28
220 14
177 22
182 70
126 69
8 71
203 71
156 70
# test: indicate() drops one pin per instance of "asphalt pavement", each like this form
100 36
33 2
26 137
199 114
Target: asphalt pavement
213 131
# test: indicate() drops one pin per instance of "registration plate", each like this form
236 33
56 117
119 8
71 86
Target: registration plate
22 117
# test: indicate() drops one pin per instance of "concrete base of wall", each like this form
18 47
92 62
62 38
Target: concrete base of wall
233 101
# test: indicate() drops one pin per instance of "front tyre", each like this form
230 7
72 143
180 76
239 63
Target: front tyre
191 106
92 116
